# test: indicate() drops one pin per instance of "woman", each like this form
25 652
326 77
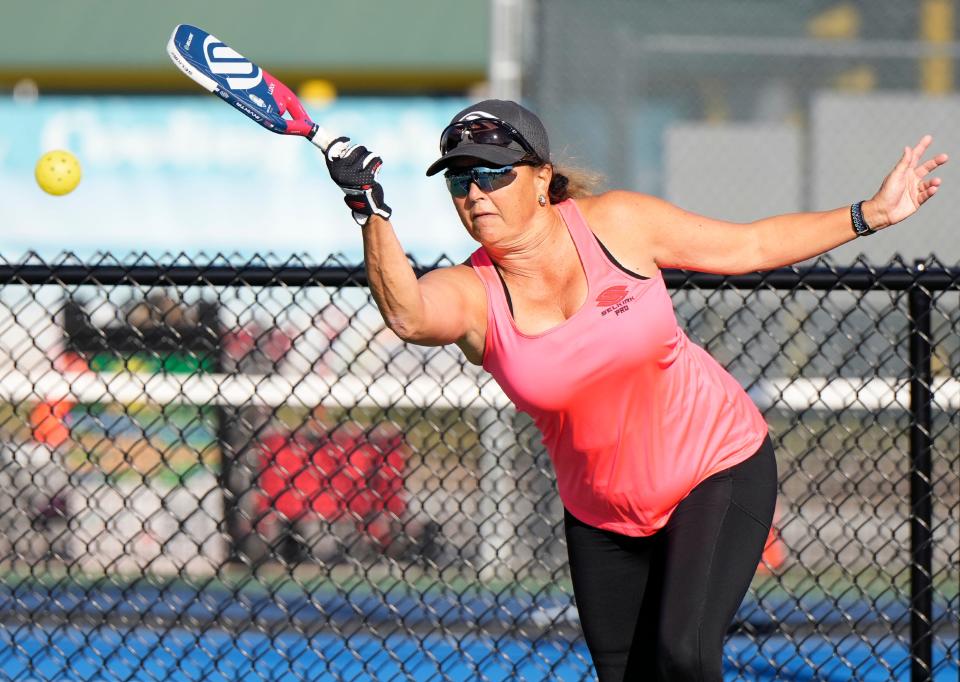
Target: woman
663 464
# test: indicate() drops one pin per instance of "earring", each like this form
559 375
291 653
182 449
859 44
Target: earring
542 200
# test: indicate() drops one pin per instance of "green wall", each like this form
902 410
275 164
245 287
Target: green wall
371 45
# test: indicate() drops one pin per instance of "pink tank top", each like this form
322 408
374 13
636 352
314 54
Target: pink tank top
633 414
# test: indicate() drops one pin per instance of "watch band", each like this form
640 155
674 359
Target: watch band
860 227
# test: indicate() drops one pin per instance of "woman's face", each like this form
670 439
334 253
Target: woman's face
497 214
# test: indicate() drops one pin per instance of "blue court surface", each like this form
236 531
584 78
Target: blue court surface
69 652
99 633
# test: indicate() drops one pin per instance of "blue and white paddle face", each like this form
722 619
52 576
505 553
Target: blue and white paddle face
225 62
225 72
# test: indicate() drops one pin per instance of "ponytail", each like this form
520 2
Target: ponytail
572 184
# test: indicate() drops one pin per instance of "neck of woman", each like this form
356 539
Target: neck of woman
538 251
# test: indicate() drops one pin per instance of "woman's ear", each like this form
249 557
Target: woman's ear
543 176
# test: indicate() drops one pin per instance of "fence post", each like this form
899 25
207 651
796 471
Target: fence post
497 481
921 512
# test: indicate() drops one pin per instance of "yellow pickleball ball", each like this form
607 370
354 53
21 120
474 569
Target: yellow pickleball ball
58 172
318 92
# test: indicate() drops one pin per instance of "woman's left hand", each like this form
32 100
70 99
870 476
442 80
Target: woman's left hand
906 188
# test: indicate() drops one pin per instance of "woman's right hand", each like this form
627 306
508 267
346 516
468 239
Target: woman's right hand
355 169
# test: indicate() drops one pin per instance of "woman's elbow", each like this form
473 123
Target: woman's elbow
403 327
409 331
760 256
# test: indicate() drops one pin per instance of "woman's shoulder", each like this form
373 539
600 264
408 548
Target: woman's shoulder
619 209
617 200
622 220
460 274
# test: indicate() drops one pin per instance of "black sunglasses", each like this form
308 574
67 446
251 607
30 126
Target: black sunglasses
491 131
487 179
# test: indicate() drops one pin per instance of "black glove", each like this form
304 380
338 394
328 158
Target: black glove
355 169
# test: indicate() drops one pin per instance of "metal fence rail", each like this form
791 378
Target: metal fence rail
244 453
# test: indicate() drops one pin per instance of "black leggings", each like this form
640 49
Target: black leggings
658 607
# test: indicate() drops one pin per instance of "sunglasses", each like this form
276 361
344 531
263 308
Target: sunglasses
487 179
491 131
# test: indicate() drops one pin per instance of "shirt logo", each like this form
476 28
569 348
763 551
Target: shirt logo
614 300
611 296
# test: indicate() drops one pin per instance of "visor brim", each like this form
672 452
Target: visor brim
488 153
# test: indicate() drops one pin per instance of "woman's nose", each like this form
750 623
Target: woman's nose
473 190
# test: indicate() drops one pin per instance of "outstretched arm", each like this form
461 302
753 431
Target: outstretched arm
678 238
434 310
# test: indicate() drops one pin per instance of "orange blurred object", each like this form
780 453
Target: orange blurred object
48 421
774 552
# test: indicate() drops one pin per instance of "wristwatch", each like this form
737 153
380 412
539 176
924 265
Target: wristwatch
860 227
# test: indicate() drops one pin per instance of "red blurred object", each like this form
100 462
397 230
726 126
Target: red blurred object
251 347
344 474
68 361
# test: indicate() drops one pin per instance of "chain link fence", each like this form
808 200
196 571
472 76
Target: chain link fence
217 471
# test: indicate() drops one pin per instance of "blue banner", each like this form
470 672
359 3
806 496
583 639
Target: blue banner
188 174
